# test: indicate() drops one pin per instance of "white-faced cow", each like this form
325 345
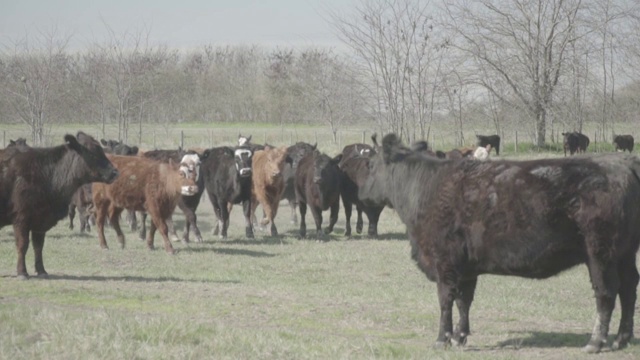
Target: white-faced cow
623 142
227 178
36 185
493 140
318 186
143 185
525 218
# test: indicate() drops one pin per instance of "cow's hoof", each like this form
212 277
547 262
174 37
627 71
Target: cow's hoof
441 345
592 348
43 275
621 342
459 339
199 239
22 276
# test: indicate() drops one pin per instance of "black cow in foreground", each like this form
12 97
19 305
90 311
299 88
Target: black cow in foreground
295 152
36 186
623 142
317 183
525 218
227 177
188 204
575 142
493 140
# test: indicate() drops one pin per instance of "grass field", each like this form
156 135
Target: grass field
273 298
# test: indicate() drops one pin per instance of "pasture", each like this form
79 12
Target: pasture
272 297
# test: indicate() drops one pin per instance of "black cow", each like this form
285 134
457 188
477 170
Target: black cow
355 172
227 177
36 186
188 204
296 152
623 142
20 143
317 182
575 142
493 140
354 150
525 218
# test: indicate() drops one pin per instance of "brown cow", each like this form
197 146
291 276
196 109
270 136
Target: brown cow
83 202
144 184
268 182
36 186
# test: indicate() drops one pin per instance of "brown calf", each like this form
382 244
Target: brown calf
268 182
144 185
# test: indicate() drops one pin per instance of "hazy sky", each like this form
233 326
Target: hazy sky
177 23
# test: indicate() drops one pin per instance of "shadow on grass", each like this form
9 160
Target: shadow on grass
227 251
539 339
265 240
382 237
124 278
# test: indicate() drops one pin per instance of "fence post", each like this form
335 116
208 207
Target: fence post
265 137
364 135
290 137
4 138
516 141
182 139
154 140
315 133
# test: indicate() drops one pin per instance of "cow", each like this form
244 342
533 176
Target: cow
118 147
317 183
20 143
243 140
268 182
456 154
354 150
226 174
575 142
81 200
295 152
190 160
531 219
354 172
37 184
482 153
623 142
144 185
493 140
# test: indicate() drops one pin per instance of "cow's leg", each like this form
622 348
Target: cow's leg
466 290
151 235
270 211
248 226
628 274
348 207
143 225
191 219
101 217
317 218
83 216
132 220
171 228
22 245
162 227
605 283
294 216
359 222
216 211
72 214
373 215
224 219
303 224
333 217
114 219
446 295
38 244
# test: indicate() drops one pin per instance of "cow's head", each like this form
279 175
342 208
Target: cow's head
109 145
374 190
297 151
190 164
276 158
324 166
100 168
243 140
20 143
242 159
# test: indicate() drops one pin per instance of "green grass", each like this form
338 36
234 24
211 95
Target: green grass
269 298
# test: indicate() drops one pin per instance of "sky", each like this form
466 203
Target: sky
180 24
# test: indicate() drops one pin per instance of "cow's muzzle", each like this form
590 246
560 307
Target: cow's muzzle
189 190
244 172
111 176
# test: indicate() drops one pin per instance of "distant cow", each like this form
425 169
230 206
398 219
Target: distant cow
82 201
493 140
36 186
575 142
482 153
268 182
525 218
318 186
187 204
20 143
623 142
243 140
355 172
227 177
118 148
295 152
144 185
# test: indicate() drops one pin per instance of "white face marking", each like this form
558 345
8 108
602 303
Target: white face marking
190 163
242 141
364 152
481 153
239 153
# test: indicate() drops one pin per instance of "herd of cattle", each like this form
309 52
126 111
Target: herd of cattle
464 217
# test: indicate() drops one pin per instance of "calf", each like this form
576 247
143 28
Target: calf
226 174
623 142
318 186
575 142
525 218
36 186
493 140
144 184
190 161
268 182
83 202
295 152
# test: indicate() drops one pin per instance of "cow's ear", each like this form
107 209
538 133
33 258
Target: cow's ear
205 154
288 159
11 142
103 142
441 154
72 142
392 149
249 138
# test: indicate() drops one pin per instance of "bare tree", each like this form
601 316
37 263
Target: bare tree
36 67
